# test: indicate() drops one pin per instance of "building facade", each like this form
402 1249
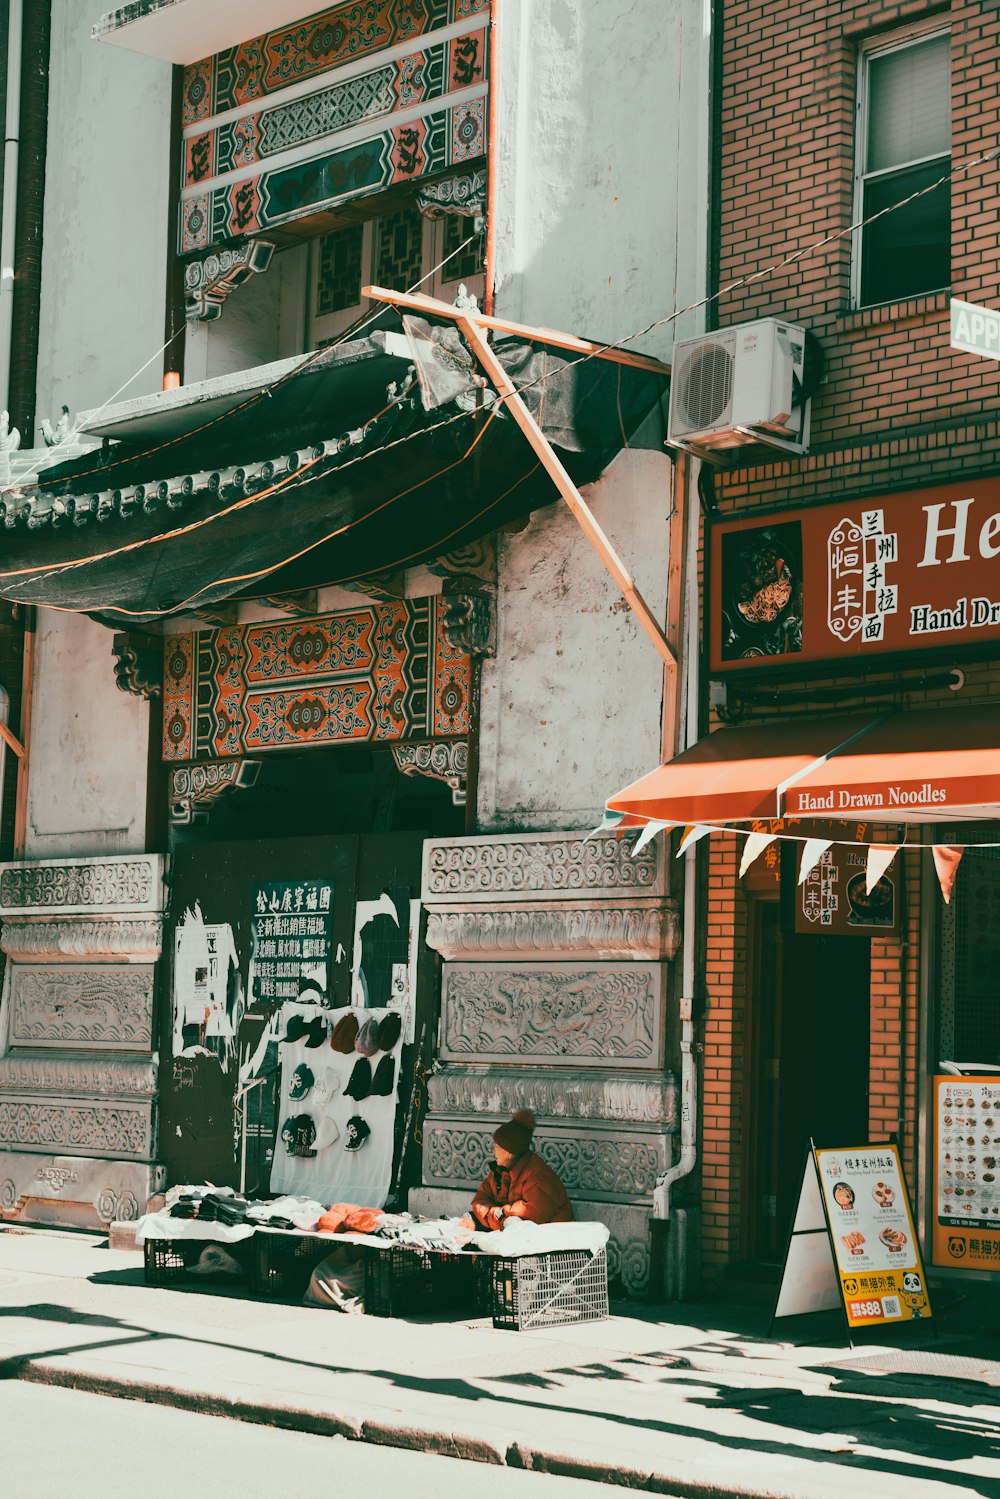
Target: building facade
841 1037
241 684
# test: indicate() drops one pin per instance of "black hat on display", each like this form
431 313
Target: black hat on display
360 1084
357 1133
305 1136
297 1028
301 1081
288 1134
389 1030
317 1031
385 1077
367 1042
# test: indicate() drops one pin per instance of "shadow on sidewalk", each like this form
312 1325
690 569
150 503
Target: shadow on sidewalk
941 1435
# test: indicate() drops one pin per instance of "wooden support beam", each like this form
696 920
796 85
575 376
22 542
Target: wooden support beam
12 740
421 303
472 326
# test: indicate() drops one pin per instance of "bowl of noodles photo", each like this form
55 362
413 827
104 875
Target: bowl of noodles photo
762 588
875 907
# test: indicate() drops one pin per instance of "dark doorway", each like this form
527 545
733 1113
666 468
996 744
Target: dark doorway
808 1064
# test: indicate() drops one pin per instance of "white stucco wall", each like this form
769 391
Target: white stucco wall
602 164
570 707
104 261
601 228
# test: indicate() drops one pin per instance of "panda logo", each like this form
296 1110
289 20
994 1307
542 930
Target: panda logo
912 1283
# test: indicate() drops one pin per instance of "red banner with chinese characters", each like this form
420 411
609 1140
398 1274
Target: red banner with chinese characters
857 578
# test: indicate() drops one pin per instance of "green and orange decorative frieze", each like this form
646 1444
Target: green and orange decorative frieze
347 102
377 674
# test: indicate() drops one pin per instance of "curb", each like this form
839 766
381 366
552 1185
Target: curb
513 1454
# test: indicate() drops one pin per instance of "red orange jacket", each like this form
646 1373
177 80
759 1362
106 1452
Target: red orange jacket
527 1189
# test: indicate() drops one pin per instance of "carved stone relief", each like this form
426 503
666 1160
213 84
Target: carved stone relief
133 883
34 1187
32 938
609 1166
536 867
441 759
100 1077
94 1129
581 1014
556 931
195 789
88 1005
495 1092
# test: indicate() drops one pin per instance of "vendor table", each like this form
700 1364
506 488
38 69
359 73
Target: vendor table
517 1292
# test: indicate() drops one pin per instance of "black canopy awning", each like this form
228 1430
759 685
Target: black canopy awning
348 467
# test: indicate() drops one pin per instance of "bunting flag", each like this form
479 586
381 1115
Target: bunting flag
753 848
947 857
648 833
880 856
812 851
691 836
608 822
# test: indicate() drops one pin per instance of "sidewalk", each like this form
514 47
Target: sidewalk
691 1400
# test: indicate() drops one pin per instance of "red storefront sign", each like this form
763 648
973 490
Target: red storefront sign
857 579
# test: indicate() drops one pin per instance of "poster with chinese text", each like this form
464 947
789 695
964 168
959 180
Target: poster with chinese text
966 1229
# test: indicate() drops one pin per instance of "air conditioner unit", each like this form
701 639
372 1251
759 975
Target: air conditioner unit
740 386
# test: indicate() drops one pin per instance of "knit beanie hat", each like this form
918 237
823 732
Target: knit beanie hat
515 1135
367 1042
345 1033
389 1030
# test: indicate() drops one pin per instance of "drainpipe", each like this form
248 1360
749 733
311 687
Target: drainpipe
685 1163
8 211
492 140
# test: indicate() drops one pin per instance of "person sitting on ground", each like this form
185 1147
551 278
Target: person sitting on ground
519 1184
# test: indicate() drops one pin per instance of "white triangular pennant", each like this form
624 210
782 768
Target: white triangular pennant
753 848
880 856
609 821
691 836
812 851
648 833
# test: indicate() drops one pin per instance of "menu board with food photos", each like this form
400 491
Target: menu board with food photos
967 1173
832 900
871 1230
853 1242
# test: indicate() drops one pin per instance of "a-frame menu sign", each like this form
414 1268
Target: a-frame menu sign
852 1243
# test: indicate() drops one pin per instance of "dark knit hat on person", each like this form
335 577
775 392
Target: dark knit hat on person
516 1134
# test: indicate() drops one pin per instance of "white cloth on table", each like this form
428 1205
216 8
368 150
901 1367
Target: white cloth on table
519 1236
304 1212
162 1226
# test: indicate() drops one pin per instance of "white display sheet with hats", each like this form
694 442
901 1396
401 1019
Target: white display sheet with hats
339 1085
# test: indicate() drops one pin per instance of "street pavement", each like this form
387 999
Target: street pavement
689 1400
107 1449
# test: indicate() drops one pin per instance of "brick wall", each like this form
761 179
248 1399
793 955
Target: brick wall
898 408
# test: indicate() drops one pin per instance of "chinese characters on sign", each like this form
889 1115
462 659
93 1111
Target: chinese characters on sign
967 1172
291 929
871 1229
833 899
858 591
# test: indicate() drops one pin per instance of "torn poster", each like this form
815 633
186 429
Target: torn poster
208 993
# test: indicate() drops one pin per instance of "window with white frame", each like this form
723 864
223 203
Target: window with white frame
904 145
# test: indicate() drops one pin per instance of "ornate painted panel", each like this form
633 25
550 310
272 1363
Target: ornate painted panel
380 673
336 116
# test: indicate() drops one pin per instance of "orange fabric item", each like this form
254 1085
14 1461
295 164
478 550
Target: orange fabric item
347 1218
527 1189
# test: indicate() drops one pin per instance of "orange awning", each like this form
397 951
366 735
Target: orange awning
927 765
737 774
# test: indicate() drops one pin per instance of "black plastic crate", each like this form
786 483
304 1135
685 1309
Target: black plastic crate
168 1260
281 1263
543 1290
397 1280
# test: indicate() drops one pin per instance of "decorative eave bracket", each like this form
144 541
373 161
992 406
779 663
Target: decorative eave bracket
440 759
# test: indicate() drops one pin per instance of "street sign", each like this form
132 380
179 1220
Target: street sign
975 329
